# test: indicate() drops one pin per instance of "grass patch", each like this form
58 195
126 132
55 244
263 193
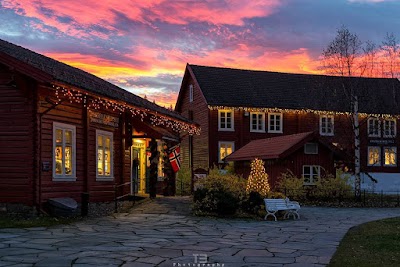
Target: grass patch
42 221
372 244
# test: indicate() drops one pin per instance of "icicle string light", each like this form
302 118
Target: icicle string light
300 111
97 103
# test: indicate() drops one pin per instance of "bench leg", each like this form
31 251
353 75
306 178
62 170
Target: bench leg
269 213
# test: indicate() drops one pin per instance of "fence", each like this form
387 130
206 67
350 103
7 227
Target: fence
343 197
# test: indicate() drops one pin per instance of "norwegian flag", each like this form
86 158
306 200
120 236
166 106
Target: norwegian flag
175 158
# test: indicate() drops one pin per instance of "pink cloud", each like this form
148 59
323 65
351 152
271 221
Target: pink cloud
82 18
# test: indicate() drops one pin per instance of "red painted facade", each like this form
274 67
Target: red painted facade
32 108
293 122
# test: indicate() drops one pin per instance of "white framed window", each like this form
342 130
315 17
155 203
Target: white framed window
275 122
389 128
191 93
311 148
104 156
64 152
225 149
311 173
374 156
225 120
390 156
257 122
374 127
326 125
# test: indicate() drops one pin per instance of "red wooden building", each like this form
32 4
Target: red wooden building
235 107
64 131
304 154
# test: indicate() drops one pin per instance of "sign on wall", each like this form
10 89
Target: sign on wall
104 119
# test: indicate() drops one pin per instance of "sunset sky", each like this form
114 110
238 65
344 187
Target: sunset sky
143 46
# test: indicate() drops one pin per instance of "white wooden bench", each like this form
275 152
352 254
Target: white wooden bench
272 206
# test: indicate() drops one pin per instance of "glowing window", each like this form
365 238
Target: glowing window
64 157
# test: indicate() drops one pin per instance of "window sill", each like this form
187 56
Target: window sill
374 136
64 179
260 131
325 134
269 131
390 165
389 136
226 130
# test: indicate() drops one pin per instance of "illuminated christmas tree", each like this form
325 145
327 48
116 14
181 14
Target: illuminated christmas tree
258 178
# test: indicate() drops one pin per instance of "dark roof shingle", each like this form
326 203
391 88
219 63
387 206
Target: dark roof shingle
264 89
81 79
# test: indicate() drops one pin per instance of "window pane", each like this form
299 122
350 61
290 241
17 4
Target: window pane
229 150
100 141
107 146
390 156
107 162
100 166
59 136
58 156
68 160
68 137
374 156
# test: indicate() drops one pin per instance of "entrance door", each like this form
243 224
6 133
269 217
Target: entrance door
138 165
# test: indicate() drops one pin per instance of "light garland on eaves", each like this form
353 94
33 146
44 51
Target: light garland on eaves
300 111
97 103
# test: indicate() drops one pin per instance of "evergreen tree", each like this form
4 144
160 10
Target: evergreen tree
258 178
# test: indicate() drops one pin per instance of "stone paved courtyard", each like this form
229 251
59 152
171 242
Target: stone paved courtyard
162 233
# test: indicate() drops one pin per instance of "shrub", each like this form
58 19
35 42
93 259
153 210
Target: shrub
253 202
219 193
183 182
291 185
330 186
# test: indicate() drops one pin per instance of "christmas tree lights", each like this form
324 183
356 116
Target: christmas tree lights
258 178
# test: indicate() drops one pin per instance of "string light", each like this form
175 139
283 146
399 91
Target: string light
97 103
258 178
300 111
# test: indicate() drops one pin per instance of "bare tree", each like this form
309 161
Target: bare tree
391 50
341 58
370 57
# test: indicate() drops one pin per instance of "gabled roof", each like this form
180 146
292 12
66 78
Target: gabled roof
264 89
50 70
271 148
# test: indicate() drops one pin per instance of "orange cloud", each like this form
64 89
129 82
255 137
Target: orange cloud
296 61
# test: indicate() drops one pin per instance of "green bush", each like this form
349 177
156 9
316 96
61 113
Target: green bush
183 182
290 185
330 186
252 202
219 193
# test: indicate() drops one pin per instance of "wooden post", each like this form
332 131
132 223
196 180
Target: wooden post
153 167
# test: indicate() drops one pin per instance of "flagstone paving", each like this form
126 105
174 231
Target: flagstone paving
162 233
